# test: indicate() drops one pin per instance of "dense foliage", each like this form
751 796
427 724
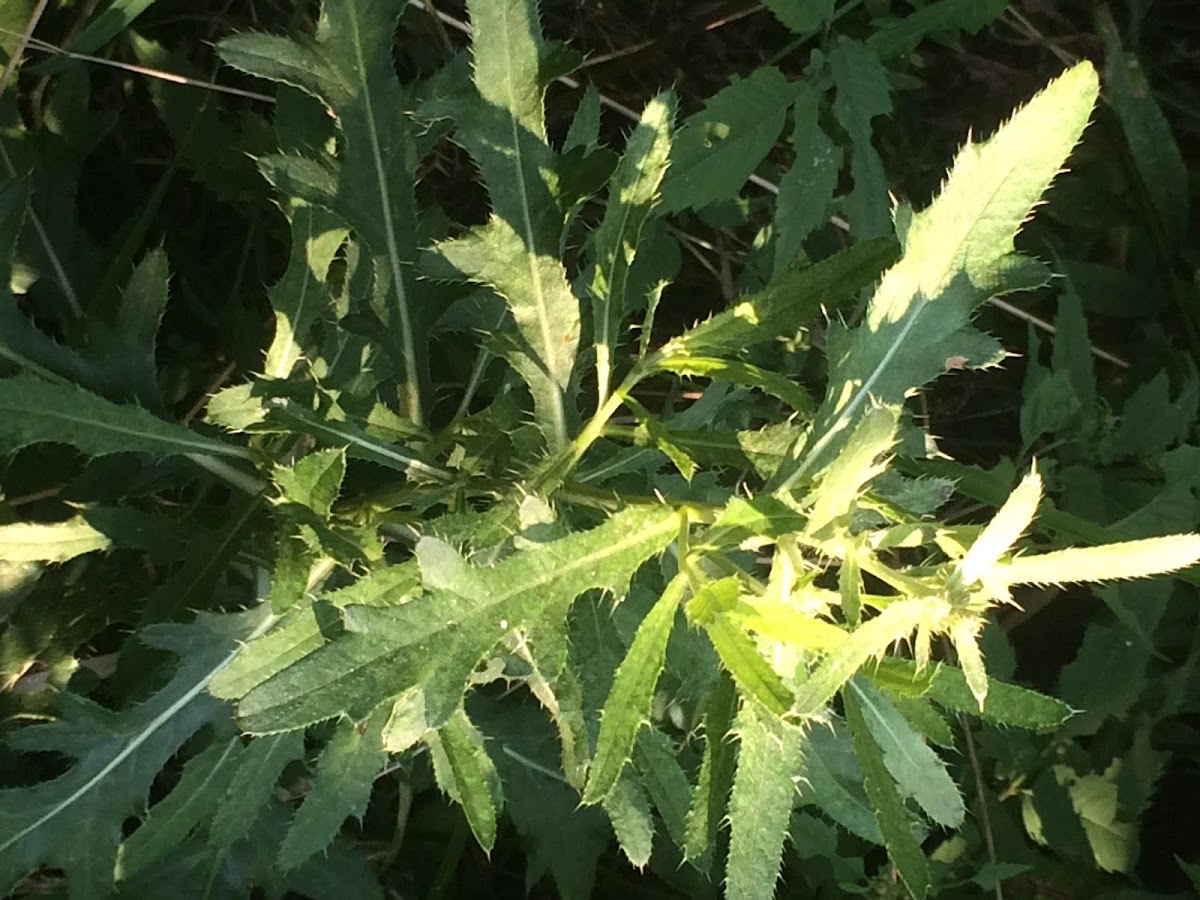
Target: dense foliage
383 487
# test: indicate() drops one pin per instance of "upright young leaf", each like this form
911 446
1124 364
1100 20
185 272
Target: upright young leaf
349 67
631 195
437 639
517 252
716 770
770 762
957 253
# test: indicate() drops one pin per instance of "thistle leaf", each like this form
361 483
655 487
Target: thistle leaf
197 796
791 301
957 253
253 785
345 774
716 771
903 850
628 704
517 253
918 771
1111 562
50 541
1005 528
300 296
33 411
349 67
632 193
869 640
74 822
468 775
628 809
437 639
770 761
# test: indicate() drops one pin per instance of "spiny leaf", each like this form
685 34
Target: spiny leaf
628 810
33 411
74 822
716 770
468 775
957 252
869 640
791 301
1004 529
631 195
903 850
193 800
657 760
437 639
918 771
628 704
517 252
770 760
345 775
299 296
350 68
1128 559
253 785
50 541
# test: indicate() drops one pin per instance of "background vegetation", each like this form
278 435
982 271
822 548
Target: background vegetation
269 377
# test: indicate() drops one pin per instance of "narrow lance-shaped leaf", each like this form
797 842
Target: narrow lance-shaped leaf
253 785
632 194
769 763
628 704
1004 529
33 411
345 775
904 851
716 770
349 67
517 252
467 774
957 253
1128 559
916 767
436 640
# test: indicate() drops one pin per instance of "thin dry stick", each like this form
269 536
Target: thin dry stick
985 819
161 74
22 41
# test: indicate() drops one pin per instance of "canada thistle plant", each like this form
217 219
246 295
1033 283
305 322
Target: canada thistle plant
400 549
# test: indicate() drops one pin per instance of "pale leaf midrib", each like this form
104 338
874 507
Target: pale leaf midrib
413 393
198 445
539 290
